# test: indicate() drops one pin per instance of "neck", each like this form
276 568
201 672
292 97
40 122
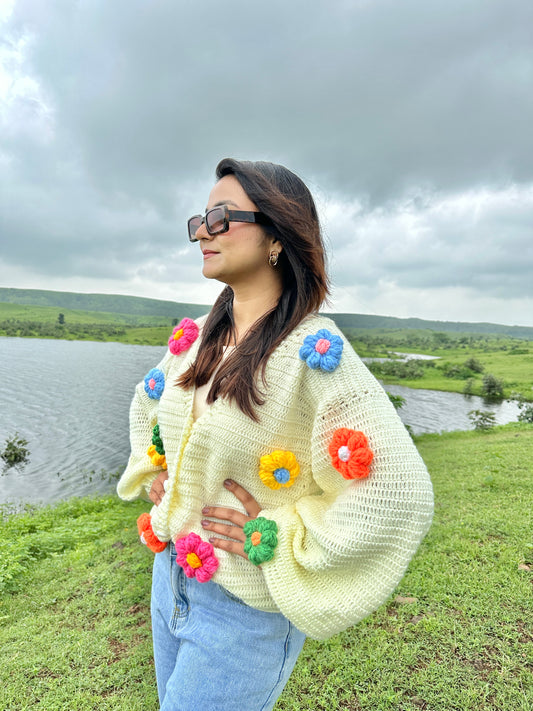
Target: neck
249 305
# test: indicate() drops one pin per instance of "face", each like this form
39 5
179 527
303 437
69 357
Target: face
241 254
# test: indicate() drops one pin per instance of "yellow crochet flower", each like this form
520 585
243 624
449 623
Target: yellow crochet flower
278 469
158 460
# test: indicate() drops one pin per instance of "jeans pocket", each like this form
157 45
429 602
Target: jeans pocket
231 596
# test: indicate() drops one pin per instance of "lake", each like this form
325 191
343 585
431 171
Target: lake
70 400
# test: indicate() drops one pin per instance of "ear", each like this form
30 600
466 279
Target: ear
276 245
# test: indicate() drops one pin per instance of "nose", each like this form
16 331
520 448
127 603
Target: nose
202 233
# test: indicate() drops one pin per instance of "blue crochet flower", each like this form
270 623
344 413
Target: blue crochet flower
154 383
323 350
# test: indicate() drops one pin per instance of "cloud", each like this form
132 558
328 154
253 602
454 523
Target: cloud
478 238
410 121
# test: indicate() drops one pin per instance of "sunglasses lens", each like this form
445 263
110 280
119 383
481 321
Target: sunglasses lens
215 220
194 225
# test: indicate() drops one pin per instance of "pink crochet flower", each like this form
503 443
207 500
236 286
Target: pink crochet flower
196 557
183 336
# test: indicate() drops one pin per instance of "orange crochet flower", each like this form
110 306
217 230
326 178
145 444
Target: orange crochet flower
148 537
350 453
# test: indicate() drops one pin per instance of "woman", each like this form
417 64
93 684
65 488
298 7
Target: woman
288 497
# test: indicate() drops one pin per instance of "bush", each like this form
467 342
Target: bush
482 419
492 387
469 387
459 372
526 412
475 365
397 400
15 453
410 369
526 408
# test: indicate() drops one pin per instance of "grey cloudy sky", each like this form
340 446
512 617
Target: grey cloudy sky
410 121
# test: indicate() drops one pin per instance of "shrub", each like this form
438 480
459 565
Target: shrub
482 419
526 408
459 372
475 365
492 387
397 400
526 412
469 386
410 369
15 453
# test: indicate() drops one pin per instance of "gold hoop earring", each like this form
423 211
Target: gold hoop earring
273 259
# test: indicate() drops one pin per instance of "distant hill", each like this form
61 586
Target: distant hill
363 321
110 303
139 306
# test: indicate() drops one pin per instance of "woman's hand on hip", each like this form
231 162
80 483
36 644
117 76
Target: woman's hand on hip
236 520
157 490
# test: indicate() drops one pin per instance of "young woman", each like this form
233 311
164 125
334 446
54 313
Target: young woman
288 497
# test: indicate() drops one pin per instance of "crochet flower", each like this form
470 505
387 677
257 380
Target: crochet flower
148 537
183 336
350 454
279 469
156 451
261 540
154 383
158 460
196 557
323 350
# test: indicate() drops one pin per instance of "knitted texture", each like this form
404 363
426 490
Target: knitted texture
343 544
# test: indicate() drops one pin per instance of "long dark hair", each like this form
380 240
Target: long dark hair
286 200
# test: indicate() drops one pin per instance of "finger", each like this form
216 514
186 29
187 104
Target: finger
155 496
230 546
225 530
225 514
247 500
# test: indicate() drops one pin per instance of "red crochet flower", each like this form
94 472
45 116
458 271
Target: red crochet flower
148 537
196 557
183 336
350 454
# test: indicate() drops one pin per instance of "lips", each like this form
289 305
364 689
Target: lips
208 253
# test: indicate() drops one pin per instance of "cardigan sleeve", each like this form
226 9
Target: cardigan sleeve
140 473
342 551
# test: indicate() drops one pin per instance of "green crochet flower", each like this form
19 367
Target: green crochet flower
261 540
157 441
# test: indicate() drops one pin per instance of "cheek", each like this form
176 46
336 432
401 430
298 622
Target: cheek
249 243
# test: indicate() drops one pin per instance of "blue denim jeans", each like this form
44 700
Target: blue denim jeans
212 651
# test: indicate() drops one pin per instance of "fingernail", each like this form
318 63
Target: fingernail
205 510
212 540
205 524
228 483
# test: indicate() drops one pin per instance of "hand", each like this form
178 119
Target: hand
236 519
158 487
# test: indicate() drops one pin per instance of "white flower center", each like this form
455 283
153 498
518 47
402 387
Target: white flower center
344 454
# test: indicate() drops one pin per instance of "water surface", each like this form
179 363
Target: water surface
70 400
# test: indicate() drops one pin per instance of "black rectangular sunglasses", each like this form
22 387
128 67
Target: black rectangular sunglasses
218 218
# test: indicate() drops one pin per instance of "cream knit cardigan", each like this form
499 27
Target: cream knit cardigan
343 544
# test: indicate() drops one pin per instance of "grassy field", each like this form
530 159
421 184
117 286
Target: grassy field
457 635
42 322
508 359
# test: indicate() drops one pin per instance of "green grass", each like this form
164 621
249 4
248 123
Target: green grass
49 314
42 322
513 365
457 635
